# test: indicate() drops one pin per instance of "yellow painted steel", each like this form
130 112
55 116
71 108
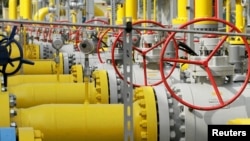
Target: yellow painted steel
91 122
41 13
45 78
40 67
12 9
204 9
31 51
239 18
51 2
5 110
76 76
32 94
25 9
98 11
29 134
239 121
131 9
120 14
228 13
73 16
181 13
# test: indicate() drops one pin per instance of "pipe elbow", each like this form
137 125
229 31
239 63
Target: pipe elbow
41 13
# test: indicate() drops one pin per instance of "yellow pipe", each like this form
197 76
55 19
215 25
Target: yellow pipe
131 9
239 121
40 67
144 9
120 14
33 94
154 18
12 9
92 122
181 13
228 13
203 8
76 76
51 2
98 11
44 78
25 9
73 16
239 18
41 13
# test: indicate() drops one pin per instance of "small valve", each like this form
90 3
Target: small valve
57 41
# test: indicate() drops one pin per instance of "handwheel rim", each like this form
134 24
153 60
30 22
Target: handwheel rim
141 52
192 106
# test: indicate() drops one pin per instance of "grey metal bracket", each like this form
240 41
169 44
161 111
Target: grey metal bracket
128 87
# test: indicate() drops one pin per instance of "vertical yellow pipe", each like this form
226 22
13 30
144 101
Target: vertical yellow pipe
120 13
228 13
12 9
154 18
239 16
181 13
131 9
73 16
25 9
203 8
144 9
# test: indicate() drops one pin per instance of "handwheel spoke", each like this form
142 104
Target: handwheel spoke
183 61
212 81
154 46
15 59
218 46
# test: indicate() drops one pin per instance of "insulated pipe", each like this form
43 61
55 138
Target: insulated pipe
33 94
92 122
25 9
12 9
41 13
131 9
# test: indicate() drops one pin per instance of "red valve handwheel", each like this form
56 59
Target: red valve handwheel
204 63
142 52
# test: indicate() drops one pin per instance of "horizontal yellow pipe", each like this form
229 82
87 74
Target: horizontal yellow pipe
44 78
32 94
41 13
40 67
74 122
92 122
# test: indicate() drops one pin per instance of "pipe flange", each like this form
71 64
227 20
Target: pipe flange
72 60
115 88
101 86
178 115
146 104
12 100
165 123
